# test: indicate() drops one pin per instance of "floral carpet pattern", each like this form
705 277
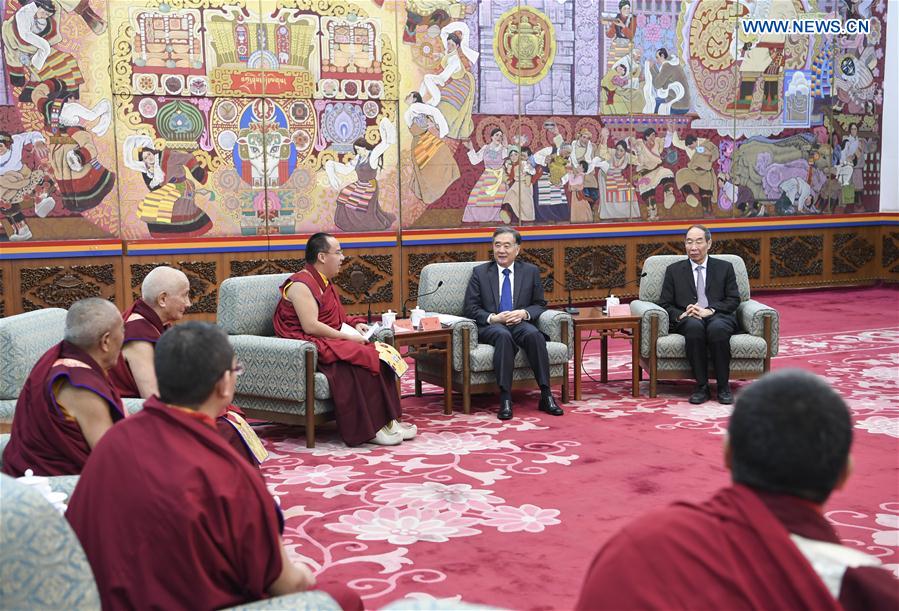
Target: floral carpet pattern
511 513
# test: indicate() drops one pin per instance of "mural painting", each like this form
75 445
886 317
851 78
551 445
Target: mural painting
189 118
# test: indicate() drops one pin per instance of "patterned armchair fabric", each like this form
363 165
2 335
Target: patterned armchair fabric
25 338
450 299
42 564
664 354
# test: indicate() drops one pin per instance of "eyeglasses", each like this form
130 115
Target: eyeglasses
338 252
238 369
698 242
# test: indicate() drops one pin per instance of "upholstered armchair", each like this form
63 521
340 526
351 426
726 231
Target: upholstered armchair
280 377
473 361
663 354
25 338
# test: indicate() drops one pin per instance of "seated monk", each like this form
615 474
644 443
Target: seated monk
363 388
67 403
762 543
165 296
169 516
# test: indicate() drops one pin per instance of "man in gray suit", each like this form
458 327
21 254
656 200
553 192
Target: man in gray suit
505 298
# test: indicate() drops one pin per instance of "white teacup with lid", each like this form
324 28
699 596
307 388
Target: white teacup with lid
417 315
388 318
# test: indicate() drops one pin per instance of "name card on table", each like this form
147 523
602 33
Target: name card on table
621 309
430 323
403 325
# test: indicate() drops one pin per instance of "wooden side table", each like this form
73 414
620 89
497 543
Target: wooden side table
622 327
438 341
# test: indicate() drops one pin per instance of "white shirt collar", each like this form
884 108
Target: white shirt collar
704 264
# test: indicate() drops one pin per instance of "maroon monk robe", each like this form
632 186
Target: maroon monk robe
44 437
731 552
363 388
170 517
144 325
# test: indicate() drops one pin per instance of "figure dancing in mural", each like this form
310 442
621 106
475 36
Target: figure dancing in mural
518 202
83 181
22 188
850 170
434 168
169 209
697 181
29 37
650 174
621 92
358 207
582 150
452 91
666 91
551 162
619 201
581 208
486 198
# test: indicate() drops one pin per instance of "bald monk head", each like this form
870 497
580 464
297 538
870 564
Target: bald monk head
95 325
167 291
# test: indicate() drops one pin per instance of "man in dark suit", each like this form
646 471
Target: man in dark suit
701 298
505 298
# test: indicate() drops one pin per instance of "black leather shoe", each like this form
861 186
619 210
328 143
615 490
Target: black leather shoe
725 396
700 395
505 410
548 405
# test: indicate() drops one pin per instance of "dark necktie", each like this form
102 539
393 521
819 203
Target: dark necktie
505 295
701 300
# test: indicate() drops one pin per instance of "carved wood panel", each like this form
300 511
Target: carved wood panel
649 249
890 257
2 293
851 252
417 261
62 285
366 273
200 274
797 256
259 267
747 249
588 267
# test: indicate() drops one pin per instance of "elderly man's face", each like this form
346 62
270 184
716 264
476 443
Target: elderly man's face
697 245
505 249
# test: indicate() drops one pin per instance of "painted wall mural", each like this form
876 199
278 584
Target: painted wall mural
186 118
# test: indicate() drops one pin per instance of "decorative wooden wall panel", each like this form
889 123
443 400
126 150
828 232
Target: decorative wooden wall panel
2 294
203 277
798 255
889 259
59 286
595 267
851 253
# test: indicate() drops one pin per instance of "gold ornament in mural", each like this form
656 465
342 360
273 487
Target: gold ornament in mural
524 45
712 33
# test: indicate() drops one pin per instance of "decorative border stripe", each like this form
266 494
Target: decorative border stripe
49 250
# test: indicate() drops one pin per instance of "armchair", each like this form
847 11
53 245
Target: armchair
473 361
663 353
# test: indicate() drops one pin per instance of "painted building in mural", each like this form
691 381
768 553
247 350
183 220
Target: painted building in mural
148 119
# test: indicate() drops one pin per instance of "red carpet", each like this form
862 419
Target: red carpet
510 514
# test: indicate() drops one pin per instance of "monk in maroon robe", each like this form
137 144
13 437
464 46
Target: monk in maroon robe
68 403
165 296
168 514
764 542
363 388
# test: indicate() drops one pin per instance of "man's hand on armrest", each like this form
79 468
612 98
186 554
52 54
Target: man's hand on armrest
293 577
